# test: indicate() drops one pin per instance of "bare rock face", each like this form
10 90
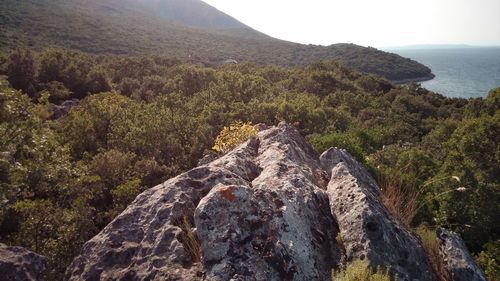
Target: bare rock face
367 229
148 240
19 264
59 111
275 226
456 257
268 210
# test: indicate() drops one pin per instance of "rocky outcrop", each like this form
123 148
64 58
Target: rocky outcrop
19 264
267 210
276 225
456 258
262 216
367 229
63 109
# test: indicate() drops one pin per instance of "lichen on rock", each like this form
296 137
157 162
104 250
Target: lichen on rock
367 229
19 264
456 258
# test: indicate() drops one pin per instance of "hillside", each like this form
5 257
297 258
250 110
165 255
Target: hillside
193 13
139 27
196 13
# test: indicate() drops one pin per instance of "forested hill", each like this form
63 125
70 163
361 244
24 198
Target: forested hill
196 13
189 30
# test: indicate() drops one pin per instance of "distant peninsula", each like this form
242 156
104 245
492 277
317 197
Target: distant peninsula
434 47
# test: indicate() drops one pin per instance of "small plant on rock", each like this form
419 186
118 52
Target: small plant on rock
188 238
232 136
360 271
431 247
400 199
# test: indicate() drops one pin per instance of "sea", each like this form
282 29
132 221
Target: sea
460 72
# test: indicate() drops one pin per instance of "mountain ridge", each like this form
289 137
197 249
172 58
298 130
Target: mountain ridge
104 27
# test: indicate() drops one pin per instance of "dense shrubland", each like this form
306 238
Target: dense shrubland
141 120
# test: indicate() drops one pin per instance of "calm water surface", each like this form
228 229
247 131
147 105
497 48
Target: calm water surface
465 72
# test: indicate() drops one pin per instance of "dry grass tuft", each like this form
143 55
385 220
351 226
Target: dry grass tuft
189 239
401 200
431 247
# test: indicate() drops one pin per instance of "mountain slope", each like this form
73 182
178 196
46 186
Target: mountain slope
198 14
193 13
135 27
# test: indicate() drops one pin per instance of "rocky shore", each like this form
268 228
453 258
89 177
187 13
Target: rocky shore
418 79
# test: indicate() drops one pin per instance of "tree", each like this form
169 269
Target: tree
21 71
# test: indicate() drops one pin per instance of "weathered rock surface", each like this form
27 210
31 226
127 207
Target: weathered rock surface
63 109
19 264
277 225
367 229
456 258
260 212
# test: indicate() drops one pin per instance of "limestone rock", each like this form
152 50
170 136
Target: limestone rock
276 226
265 218
63 109
17 263
367 229
207 158
456 257
145 242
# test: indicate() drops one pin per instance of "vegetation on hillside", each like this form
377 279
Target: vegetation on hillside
197 13
125 27
141 120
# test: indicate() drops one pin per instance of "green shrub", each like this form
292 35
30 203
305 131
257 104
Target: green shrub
361 271
489 261
340 140
21 71
123 195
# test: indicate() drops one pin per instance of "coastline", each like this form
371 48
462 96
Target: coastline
418 79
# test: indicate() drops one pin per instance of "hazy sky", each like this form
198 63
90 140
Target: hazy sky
377 23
